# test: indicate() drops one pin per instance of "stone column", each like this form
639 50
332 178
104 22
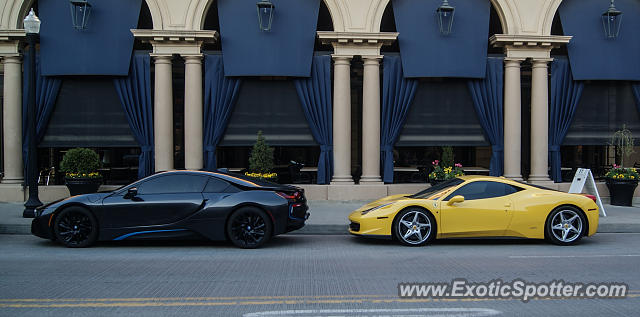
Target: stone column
163 113
12 121
193 155
371 121
540 120
512 118
342 120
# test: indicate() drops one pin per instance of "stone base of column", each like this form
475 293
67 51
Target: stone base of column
12 180
515 177
371 180
539 178
342 180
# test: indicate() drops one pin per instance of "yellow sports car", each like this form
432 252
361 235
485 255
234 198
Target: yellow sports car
479 206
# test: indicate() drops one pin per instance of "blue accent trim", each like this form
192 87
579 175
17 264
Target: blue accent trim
143 232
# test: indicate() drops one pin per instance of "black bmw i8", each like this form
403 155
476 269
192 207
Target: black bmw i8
177 204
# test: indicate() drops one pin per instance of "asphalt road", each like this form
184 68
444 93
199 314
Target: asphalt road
303 276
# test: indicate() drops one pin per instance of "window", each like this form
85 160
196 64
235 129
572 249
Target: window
178 183
215 185
483 189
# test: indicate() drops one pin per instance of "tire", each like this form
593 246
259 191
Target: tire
249 228
565 225
414 227
76 227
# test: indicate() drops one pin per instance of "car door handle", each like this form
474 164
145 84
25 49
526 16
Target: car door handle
507 205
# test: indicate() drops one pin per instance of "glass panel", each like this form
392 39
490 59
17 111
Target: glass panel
173 184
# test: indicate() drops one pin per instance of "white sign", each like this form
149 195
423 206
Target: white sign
584 177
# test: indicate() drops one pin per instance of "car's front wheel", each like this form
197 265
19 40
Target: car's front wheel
249 228
565 226
414 227
76 227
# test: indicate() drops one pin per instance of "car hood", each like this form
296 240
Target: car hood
382 201
82 199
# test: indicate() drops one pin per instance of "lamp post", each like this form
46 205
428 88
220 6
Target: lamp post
611 21
445 14
265 14
32 28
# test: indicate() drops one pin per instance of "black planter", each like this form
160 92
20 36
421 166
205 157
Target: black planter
79 186
435 182
621 191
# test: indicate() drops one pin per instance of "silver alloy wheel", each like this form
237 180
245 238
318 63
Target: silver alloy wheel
566 225
414 227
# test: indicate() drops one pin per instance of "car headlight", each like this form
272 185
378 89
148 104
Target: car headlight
364 212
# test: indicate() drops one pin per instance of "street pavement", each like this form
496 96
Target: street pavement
303 275
330 217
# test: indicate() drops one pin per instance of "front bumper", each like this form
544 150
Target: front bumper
40 227
369 225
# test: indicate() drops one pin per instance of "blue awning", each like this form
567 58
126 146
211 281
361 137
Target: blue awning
104 48
591 54
427 53
284 51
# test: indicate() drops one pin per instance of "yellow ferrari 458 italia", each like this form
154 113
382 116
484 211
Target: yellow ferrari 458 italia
479 206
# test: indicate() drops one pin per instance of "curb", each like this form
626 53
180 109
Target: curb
311 229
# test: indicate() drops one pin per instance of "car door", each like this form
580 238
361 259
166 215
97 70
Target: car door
160 200
486 210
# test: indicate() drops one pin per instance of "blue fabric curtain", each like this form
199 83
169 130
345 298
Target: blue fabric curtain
487 100
47 89
565 95
635 86
397 96
315 96
220 95
135 96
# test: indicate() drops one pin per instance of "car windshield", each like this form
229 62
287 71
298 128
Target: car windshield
438 189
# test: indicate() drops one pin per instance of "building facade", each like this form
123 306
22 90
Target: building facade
363 92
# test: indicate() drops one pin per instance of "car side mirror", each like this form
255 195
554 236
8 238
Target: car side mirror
455 199
131 192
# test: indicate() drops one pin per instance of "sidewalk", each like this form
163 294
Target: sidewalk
330 217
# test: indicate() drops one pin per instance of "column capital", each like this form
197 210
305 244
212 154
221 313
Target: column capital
192 58
372 57
343 59
514 60
162 58
13 58
541 62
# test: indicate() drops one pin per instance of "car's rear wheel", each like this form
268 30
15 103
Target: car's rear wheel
414 227
76 227
249 228
565 226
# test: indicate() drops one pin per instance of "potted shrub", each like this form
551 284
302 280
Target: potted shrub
80 166
442 173
261 160
621 181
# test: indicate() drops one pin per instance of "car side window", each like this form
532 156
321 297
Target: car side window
483 190
215 185
178 183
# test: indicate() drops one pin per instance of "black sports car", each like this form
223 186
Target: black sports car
177 204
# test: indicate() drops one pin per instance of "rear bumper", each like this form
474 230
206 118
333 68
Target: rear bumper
40 227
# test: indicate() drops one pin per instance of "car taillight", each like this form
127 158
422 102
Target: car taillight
591 196
295 196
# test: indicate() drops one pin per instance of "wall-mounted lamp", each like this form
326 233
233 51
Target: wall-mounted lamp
445 14
611 20
265 15
80 12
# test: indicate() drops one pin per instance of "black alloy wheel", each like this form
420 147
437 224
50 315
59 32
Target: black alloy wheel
76 227
249 228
